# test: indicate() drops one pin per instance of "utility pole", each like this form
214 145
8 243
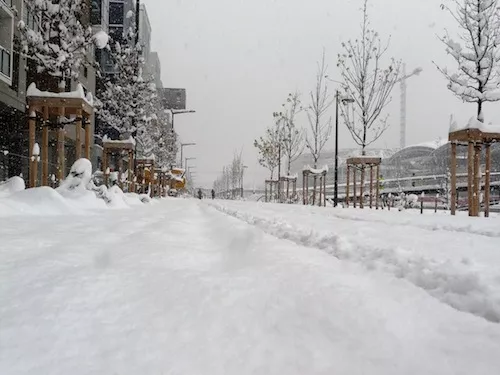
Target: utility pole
403 86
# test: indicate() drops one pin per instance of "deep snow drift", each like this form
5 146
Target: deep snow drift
179 288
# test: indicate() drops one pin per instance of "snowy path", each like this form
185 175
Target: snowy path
180 288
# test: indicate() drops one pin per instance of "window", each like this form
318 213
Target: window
6 37
96 14
5 58
85 72
116 14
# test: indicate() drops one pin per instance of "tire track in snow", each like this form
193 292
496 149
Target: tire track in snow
453 284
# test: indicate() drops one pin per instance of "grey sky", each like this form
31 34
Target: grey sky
239 59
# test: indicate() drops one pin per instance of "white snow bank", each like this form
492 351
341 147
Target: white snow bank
431 258
41 201
11 186
474 123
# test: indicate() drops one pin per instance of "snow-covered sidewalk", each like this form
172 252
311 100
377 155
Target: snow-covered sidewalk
180 288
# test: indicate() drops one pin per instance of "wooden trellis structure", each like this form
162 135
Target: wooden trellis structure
270 186
121 148
160 180
288 184
49 108
145 173
363 163
320 176
476 140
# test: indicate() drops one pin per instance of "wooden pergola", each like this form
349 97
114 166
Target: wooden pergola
145 172
78 110
287 182
111 147
268 189
306 175
362 163
475 140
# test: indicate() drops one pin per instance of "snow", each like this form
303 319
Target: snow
316 171
130 140
180 288
36 149
11 186
78 93
101 39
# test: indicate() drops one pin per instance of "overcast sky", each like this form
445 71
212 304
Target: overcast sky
239 59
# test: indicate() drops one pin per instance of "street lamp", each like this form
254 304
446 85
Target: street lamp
186 161
185 145
336 168
174 112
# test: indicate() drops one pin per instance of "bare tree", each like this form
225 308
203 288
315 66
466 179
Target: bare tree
320 129
367 83
477 52
292 137
269 148
321 101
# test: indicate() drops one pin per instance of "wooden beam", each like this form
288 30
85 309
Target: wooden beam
470 177
477 179
131 171
371 186
361 188
487 178
45 148
453 172
60 154
105 166
88 138
354 192
347 186
377 189
32 133
78 135
324 190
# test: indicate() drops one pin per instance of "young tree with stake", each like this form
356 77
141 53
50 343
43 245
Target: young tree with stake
367 83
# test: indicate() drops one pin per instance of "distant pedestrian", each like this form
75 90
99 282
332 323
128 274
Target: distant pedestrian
213 194
200 194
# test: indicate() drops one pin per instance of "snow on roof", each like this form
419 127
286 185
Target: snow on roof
474 123
130 139
78 93
316 171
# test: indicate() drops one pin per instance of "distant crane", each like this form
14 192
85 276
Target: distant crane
402 83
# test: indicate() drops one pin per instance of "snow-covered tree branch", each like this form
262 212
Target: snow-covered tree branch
367 82
476 51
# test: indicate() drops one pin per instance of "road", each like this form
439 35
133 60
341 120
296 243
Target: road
179 287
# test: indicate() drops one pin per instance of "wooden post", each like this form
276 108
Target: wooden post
45 147
120 170
88 134
477 178
105 166
32 132
78 134
354 192
487 181
371 186
131 171
470 178
453 172
34 166
377 189
265 191
60 154
361 188
347 186
324 189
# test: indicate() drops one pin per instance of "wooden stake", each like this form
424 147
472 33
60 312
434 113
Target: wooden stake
470 178
354 192
60 154
487 181
324 190
371 186
361 188
88 134
453 172
377 189
477 179
105 165
32 131
131 171
45 147
78 134
347 186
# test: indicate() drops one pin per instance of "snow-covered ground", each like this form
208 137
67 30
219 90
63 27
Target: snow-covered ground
179 287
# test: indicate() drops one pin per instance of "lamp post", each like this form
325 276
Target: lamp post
182 147
186 161
336 168
174 112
